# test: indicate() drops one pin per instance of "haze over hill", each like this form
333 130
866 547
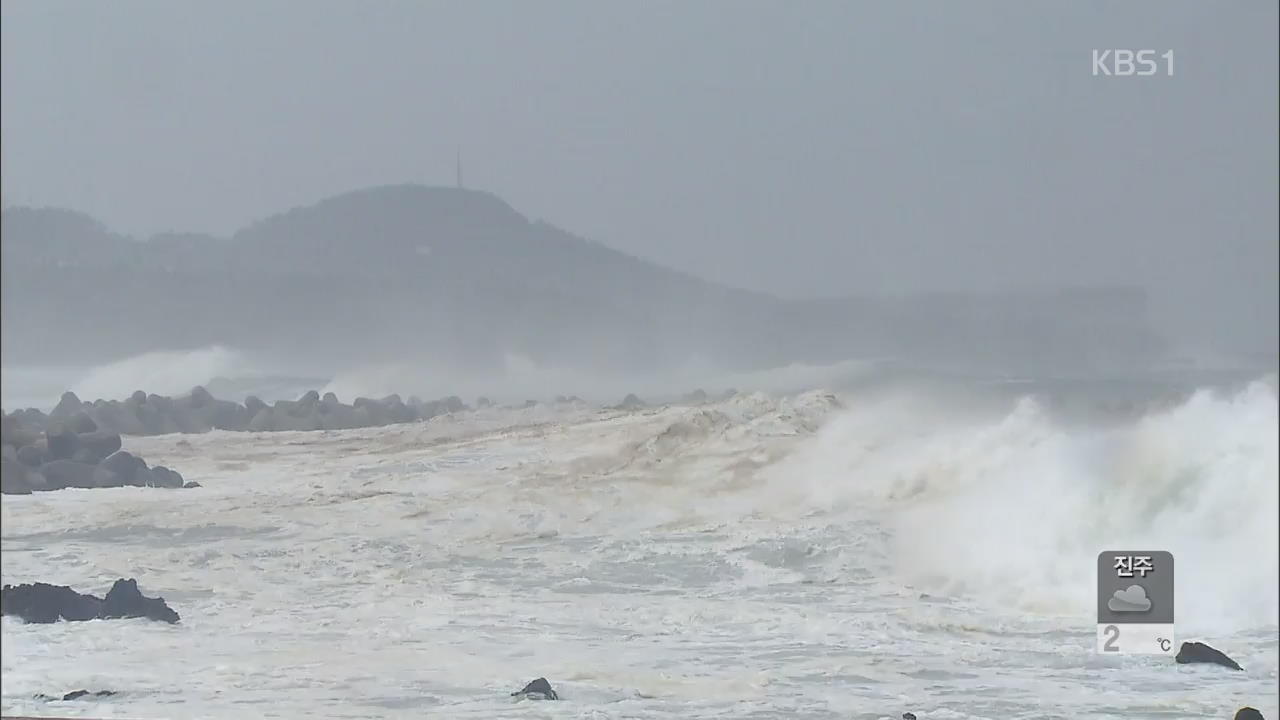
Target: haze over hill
458 279
697 359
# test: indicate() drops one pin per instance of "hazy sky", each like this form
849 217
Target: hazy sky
803 148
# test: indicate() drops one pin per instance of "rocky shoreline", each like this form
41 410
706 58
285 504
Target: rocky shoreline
72 452
78 444
44 603
199 411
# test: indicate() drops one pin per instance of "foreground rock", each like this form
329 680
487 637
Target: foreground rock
1248 713
77 694
538 689
44 603
1195 652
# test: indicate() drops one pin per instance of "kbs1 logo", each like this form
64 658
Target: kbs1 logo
1125 63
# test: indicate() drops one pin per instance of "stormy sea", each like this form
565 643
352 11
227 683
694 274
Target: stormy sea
847 545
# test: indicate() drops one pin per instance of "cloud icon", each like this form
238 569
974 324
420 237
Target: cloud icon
1131 599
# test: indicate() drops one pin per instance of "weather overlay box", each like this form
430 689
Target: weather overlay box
1135 602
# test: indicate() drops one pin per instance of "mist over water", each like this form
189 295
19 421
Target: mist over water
231 374
962 315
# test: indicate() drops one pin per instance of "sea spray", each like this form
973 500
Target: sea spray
1014 507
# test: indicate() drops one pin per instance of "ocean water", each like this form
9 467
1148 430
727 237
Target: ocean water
816 555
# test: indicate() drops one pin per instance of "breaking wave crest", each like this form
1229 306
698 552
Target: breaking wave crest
1016 507
163 373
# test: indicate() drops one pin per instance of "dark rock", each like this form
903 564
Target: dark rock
337 416
32 418
1196 652
224 415
538 689
15 478
308 404
36 480
60 474
44 603
199 411
373 415
296 421
484 402
19 432
104 478
81 423
124 600
126 467
190 485
61 443
10 428
68 405
153 419
198 398
171 422
77 694
96 447
396 411
142 477
1248 713
430 409
630 402
122 418
697 397
908 716
187 419
163 477
263 420
285 407
31 456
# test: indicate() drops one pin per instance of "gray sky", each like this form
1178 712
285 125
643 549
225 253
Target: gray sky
813 148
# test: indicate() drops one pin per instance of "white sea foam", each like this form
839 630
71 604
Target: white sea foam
762 556
1015 505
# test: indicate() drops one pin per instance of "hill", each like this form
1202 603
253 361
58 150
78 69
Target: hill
460 278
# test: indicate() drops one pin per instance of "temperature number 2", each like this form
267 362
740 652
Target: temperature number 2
1113 634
